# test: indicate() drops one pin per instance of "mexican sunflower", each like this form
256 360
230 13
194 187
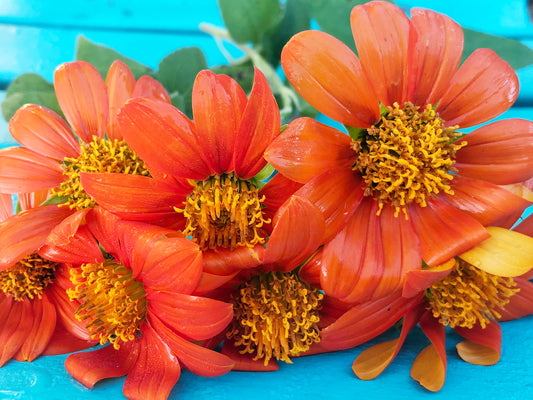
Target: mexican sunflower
210 166
406 185
137 297
469 293
37 316
53 153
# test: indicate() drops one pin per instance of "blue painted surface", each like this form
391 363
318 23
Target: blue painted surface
35 36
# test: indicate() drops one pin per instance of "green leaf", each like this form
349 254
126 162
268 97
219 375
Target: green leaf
265 173
248 20
333 16
178 70
102 57
29 88
517 54
295 19
242 73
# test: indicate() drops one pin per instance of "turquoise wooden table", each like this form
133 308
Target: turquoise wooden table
36 36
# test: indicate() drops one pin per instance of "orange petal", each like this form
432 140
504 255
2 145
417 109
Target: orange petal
445 231
483 345
43 131
310 271
288 246
62 342
367 320
197 359
92 366
521 303
246 362
33 199
218 103
276 191
173 264
484 201
491 154
210 282
25 232
418 280
39 333
435 50
260 124
484 87
119 83
353 261
196 318
373 361
82 95
227 261
307 148
156 370
383 50
149 125
429 367
132 193
146 86
329 76
14 327
337 193
22 170
6 206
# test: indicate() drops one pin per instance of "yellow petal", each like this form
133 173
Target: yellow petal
475 353
428 369
371 362
505 253
520 190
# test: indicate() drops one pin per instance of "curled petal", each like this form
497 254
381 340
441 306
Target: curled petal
288 246
435 50
43 131
484 87
307 148
482 346
327 74
260 124
381 33
504 253
227 261
218 103
418 280
82 95
22 170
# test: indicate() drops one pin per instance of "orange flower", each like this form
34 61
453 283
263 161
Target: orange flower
469 293
54 153
208 167
37 316
138 299
406 186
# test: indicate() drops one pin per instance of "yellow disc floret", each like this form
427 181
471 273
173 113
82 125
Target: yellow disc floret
97 156
468 296
112 303
407 157
28 278
275 316
224 211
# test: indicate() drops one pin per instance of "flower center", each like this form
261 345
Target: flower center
275 315
224 211
111 301
469 295
28 278
407 156
97 156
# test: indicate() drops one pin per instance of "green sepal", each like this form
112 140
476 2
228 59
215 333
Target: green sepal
265 173
355 133
55 200
18 207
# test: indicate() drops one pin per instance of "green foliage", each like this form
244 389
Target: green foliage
178 70
102 57
249 20
518 55
29 88
243 73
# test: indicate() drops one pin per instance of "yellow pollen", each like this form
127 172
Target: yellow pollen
468 296
97 156
28 278
112 303
224 211
407 157
275 316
